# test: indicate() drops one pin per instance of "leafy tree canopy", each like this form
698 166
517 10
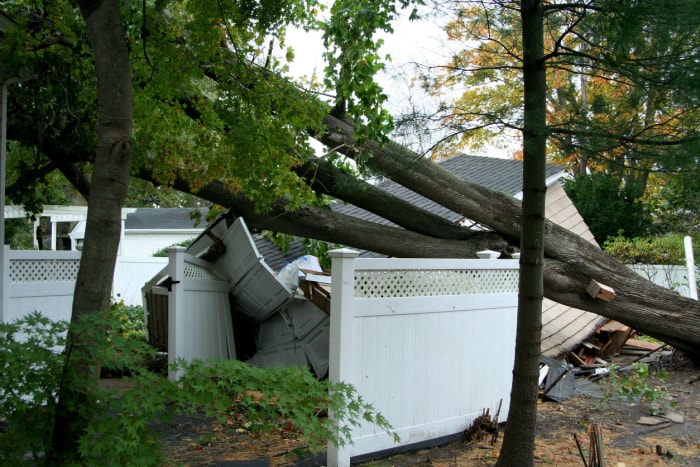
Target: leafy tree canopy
622 95
211 95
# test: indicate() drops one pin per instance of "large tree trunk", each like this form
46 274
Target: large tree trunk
518 447
570 261
110 179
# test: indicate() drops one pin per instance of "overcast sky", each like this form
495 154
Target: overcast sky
420 42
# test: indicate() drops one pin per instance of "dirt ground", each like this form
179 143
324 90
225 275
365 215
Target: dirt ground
626 441
629 440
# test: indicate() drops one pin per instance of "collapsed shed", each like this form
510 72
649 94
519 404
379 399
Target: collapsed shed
267 322
403 331
263 306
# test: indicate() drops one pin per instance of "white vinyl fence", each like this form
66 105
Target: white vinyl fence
44 280
430 343
672 277
192 304
130 273
38 281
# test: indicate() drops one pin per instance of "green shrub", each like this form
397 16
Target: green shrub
121 423
131 320
646 250
163 253
638 384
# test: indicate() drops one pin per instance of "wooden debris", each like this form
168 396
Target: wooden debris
482 427
675 417
596 450
616 334
641 345
650 421
597 290
317 293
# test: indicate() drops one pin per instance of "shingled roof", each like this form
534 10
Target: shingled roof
504 175
164 219
563 328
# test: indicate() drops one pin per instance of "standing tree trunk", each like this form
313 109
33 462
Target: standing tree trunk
519 441
110 180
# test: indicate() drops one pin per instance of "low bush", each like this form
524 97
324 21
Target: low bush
34 354
646 250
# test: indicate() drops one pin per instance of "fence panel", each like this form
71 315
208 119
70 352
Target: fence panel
671 276
430 343
40 281
130 273
199 314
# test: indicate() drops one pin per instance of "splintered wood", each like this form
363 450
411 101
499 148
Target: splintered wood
596 451
482 427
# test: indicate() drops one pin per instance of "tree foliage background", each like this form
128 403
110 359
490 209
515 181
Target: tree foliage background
212 103
622 99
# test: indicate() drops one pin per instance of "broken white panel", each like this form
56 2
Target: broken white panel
316 345
293 322
259 294
241 253
254 286
285 354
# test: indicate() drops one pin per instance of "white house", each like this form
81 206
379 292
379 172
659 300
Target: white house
146 231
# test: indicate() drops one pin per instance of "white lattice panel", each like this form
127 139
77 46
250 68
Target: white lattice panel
437 282
194 272
43 270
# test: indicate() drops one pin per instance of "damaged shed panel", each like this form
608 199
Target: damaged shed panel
254 286
195 299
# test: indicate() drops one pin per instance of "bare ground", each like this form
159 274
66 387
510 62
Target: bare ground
626 441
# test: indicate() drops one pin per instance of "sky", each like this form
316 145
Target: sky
412 42
420 42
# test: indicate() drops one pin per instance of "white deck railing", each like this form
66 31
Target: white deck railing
430 343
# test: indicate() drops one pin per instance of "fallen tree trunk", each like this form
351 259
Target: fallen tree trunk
571 265
572 262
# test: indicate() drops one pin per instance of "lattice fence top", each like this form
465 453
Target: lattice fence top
43 270
194 272
434 282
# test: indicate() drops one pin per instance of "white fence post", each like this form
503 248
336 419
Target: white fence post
690 264
176 269
340 351
4 281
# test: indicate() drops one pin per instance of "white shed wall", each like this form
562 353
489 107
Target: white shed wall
146 243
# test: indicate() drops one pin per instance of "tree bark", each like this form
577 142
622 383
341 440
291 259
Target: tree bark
518 448
571 262
110 180
329 180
